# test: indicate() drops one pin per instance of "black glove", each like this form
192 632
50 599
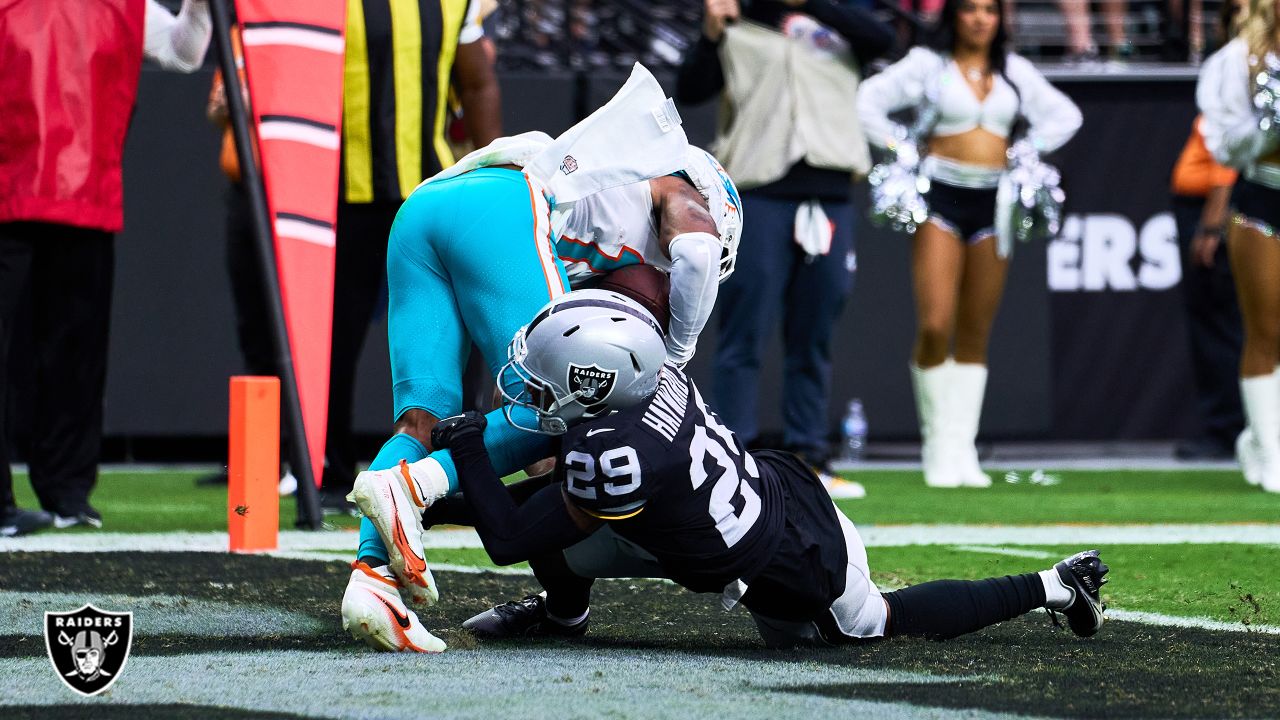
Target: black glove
451 431
451 510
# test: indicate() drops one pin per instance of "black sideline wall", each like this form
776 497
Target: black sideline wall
1089 343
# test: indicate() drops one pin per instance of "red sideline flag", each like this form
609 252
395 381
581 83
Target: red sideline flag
293 52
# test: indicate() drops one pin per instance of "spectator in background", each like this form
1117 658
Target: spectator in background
1234 133
1201 191
61 202
980 90
786 72
393 135
1080 44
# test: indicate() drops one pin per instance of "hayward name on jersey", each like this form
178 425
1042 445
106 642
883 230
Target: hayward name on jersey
608 230
675 481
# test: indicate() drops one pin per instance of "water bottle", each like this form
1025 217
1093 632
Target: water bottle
853 433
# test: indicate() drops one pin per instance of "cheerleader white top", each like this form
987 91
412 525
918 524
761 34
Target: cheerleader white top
1230 127
925 74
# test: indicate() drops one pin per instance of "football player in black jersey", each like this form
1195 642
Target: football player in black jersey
650 483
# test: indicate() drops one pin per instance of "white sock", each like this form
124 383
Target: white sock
431 478
1057 595
570 622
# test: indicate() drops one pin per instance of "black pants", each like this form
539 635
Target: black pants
359 288
359 283
1214 329
774 280
60 277
253 321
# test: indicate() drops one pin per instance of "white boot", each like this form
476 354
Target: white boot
964 410
1249 455
1261 396
931 396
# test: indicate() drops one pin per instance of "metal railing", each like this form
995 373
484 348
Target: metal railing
585 35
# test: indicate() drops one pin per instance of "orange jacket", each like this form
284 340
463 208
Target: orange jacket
1196 172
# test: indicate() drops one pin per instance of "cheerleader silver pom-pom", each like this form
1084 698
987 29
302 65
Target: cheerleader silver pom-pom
1035 195
897 190
1266 98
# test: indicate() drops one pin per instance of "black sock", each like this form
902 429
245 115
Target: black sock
568 594
945 609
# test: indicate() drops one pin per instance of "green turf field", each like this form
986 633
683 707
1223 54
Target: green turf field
1194 632
157 502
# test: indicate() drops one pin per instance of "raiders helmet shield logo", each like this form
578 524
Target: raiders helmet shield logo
88 647
595 383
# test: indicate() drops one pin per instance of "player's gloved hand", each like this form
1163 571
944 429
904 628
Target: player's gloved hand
452 431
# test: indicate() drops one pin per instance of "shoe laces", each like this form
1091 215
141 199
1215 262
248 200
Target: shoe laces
529 603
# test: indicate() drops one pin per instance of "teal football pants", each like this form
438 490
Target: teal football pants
469 259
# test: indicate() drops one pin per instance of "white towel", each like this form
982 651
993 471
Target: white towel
635 136
813 229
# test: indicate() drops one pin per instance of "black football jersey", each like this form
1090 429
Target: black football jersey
671 478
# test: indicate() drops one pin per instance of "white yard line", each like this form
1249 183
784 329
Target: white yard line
987 536
1000 535
1051 464
1147 618
290 541
326 547
1013 552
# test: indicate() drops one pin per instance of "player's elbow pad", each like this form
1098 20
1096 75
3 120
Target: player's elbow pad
695 269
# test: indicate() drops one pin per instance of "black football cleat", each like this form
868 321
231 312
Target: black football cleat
15 521
83 516
522 618
1085 574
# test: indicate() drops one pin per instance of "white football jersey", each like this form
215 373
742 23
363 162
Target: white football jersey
608 230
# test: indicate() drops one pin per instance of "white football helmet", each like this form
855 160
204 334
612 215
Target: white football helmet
587 353
717 188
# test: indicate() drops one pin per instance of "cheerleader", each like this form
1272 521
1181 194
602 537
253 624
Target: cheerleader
978 89
1234 132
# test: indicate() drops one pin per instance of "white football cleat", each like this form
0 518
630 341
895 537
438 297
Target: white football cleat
374 613
393 500
839 488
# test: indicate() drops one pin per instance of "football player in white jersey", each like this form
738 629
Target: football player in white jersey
646 223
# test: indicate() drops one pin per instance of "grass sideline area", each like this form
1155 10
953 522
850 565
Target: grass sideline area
164 501
1195 630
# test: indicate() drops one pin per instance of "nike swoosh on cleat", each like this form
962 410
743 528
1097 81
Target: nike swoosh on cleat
400 617
417 564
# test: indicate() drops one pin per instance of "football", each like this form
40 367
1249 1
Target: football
645 284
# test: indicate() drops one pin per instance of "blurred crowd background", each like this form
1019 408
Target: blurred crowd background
604 34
